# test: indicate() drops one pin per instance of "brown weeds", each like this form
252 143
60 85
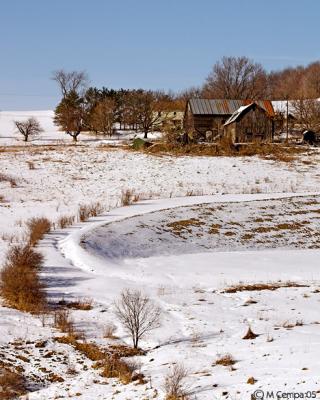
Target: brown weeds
226 360
37 228
242 287
65 220
87 211
20 283
8 178
271 151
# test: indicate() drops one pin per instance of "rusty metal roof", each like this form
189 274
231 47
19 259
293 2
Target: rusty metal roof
225 107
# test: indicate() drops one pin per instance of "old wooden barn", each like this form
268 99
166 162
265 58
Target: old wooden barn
250 123
205 118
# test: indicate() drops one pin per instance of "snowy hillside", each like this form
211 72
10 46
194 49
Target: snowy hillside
220 244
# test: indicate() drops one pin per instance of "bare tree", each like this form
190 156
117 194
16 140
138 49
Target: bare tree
146 109
236 78
192 92
312 80
307 113
286 84
174 384
103 116
30 127
137 313
73 81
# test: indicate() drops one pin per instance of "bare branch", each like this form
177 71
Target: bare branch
236 78
70 81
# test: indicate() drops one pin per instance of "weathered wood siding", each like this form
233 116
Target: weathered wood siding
254 126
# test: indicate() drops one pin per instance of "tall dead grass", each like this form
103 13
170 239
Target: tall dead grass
129 197
65 220
37 228
87 211
20 283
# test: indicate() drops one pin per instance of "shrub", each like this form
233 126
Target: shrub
38 227
114 367
20 283
139 144
174 385
63 321
24 256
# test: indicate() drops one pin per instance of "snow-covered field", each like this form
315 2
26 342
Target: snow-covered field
257 221
51 134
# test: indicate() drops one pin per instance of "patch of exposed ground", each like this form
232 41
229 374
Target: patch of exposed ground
292 223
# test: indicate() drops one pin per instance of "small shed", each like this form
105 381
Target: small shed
250 123
205 118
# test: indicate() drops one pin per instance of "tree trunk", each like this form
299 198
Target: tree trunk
146 135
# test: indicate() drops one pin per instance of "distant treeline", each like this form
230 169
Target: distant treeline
98 109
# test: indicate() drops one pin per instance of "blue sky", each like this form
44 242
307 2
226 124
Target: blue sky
144 43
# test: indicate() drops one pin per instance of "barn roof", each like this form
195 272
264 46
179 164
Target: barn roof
225 107
237 114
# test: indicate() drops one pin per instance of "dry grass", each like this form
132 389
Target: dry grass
226 360
109 331
250 335
81 304
288 325
65 220
64 322
109 361
8 178
179 227
87 211
20 283
242 287
12 384
2 199
280 227
37 228
114 367
121 350
31 165
127 197
272 151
